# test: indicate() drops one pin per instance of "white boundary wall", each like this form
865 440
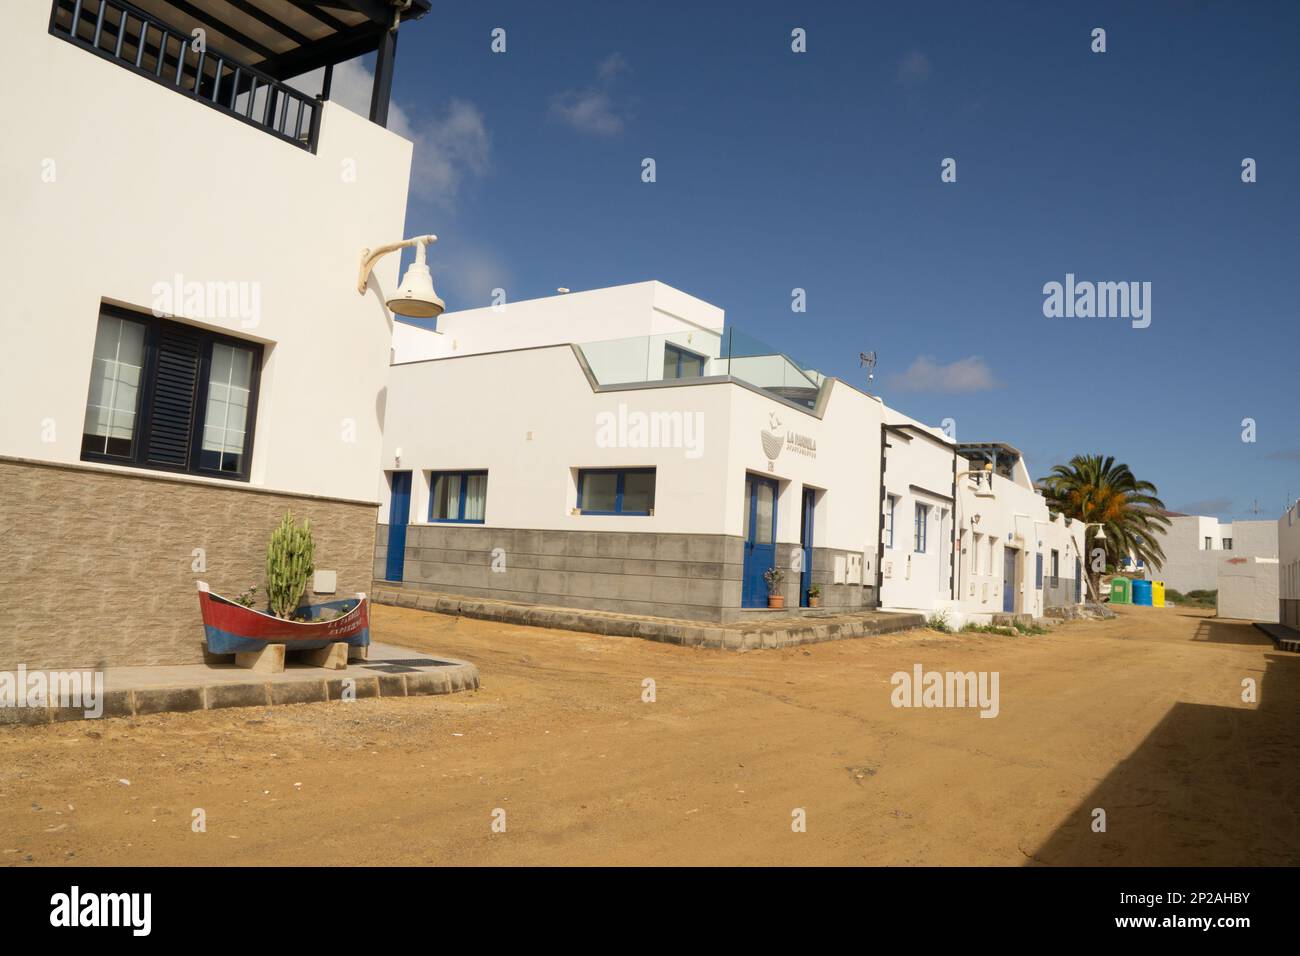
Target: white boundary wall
1190 566
1248 589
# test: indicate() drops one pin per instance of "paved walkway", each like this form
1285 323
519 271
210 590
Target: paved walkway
745 635
391 671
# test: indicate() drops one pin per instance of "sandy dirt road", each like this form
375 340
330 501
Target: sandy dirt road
1141 716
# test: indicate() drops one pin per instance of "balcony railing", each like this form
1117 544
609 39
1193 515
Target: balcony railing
143 44
702 353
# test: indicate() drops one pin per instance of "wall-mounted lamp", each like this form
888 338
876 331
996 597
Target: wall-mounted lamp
415 297
397 456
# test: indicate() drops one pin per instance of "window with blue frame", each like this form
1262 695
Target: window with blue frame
682 363
891 502
169 396
922 516
458 496
616 491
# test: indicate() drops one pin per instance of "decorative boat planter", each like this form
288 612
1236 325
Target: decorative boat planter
231 628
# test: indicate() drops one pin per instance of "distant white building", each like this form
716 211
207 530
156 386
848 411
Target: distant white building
1288 553
623 449
1195 544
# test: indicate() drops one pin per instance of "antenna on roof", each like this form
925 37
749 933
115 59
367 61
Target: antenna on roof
867 360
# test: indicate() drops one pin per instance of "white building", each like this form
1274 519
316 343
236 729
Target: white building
1288 554
1010 554
622 449
186 355
1195 546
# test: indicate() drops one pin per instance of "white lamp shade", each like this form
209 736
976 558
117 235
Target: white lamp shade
415 296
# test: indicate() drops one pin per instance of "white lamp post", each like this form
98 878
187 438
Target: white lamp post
1099 536
415 297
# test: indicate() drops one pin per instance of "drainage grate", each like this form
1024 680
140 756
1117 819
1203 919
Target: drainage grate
415 662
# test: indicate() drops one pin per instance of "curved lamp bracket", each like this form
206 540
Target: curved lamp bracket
370 256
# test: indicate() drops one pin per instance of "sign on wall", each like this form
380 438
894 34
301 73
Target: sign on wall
776 438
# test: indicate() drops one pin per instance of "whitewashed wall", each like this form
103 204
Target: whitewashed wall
1190 566
918 470
474 412
1017 517
148 184
1247 588
1288 553
638 309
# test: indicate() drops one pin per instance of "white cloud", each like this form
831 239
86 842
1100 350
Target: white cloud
608 69
592 108
969 374
466 276
913 69
451 146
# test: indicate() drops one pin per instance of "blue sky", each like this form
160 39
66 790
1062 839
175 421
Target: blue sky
821 171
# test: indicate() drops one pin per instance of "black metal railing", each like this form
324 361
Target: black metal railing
145 45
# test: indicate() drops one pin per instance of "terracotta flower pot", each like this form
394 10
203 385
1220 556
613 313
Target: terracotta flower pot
776 600
814 601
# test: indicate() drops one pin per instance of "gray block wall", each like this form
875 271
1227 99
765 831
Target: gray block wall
697 577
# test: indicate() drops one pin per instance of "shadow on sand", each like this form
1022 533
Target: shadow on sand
1209 786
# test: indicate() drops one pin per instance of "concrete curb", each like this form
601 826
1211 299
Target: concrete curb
731 637
140 701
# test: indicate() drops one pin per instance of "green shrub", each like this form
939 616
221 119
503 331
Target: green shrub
1197 598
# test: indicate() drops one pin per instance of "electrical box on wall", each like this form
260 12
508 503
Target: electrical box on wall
855 569
325 582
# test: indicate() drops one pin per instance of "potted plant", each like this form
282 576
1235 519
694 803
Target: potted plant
774 578
815 595
237 626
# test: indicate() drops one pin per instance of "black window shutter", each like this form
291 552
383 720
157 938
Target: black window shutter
175 391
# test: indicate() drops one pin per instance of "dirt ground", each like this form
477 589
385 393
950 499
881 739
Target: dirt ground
1142 717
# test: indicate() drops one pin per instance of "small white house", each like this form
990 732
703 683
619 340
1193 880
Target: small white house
965 532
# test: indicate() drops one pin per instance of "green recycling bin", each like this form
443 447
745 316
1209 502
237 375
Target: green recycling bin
1121 590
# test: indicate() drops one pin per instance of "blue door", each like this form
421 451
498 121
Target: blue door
806 544
760 539
1009 580
1078 581
399 512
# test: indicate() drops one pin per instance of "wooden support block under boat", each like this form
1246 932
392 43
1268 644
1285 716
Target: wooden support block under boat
334 657
268 660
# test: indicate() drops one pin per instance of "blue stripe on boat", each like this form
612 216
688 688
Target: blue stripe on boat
223 642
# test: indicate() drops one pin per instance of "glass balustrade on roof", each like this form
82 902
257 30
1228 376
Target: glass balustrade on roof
702 354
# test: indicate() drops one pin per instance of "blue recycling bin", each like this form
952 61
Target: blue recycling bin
1142 593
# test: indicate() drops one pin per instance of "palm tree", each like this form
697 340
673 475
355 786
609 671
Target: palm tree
1097 490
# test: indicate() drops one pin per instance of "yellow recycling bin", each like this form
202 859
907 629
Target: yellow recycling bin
1157 593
